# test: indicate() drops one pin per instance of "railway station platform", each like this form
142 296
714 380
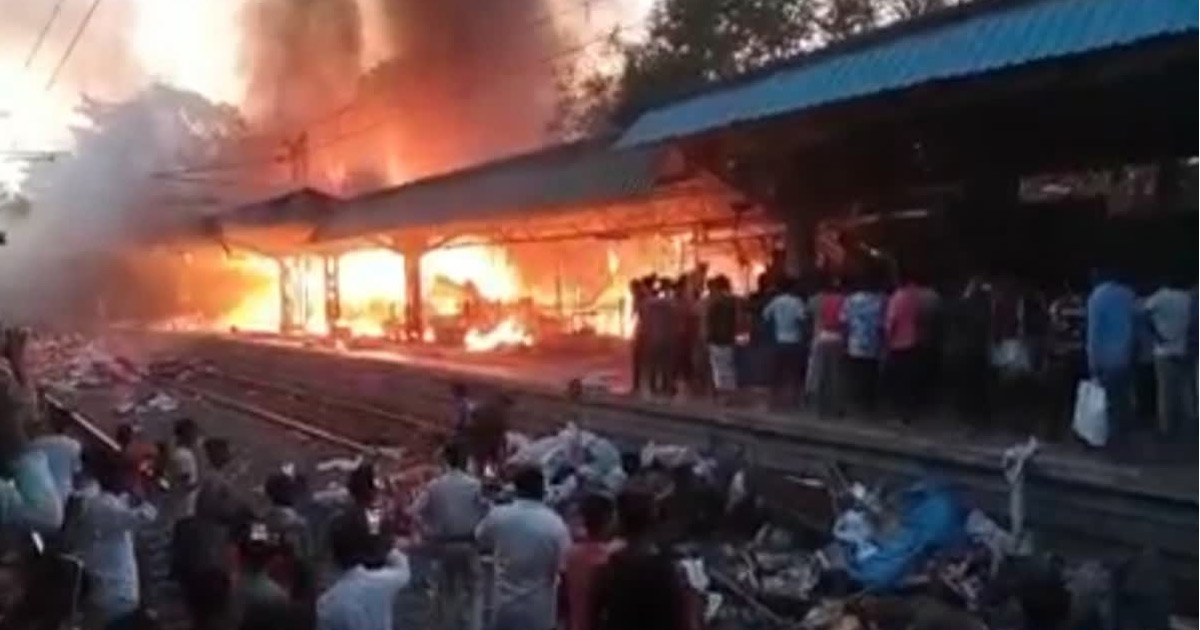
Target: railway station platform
1143 467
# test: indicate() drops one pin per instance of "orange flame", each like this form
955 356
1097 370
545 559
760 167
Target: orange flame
507 333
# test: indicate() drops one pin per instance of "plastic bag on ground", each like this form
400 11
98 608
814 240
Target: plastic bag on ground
547 453
853 529
1091 413
593 462
932 518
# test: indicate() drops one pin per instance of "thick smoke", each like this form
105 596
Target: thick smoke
463 81
431 85
300 57
103 200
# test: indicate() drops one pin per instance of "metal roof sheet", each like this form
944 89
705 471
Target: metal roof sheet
296 206
570 175
972 42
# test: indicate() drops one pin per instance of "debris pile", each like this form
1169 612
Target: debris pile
574 462
828 553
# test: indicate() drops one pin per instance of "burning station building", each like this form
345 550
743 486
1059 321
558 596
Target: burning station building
534 247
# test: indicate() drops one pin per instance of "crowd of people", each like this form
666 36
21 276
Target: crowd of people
71 511
894 342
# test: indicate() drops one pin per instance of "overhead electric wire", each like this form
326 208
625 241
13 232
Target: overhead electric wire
41 38
87 17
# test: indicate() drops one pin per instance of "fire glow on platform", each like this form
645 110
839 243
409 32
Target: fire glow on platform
501 297
477 296
372 287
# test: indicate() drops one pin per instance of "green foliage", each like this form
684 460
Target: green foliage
690 43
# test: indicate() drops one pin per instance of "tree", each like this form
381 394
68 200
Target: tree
690 43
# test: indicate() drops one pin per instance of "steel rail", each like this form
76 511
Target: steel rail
1071 510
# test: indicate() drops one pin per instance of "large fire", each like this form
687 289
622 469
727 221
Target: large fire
509 332
372 289
484 297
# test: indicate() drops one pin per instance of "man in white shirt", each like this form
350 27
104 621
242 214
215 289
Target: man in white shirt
361 598
787 315
447 512
184 470
1171 312
63 453
107 520
529 543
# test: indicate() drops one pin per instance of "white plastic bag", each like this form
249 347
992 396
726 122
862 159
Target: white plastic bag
1091 413
853 528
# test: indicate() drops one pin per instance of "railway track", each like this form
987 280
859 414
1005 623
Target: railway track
352 424
381 403
264 439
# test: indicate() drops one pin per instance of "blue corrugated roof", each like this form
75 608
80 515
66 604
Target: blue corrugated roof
979 42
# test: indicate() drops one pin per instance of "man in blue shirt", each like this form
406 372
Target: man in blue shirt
1111 314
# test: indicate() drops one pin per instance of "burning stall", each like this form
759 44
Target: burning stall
532 248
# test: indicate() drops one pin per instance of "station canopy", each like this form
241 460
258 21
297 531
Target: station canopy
279 223
977 39
578 190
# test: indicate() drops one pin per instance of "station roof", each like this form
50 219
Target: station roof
976 38
569 176
281 222
300 205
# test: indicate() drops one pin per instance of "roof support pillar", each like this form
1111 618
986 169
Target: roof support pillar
800 209
333 292
289 321
414 324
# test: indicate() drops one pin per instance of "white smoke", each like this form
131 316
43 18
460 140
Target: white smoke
108 193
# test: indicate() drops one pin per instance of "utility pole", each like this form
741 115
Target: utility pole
296 153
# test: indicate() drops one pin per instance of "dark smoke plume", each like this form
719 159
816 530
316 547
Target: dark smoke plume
466 81
300 56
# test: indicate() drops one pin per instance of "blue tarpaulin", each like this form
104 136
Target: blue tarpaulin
933 519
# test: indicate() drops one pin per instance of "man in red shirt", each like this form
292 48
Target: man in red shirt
586 559
138 454
903 358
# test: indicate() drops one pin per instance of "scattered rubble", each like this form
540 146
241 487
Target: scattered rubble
838 553
759 550
574 462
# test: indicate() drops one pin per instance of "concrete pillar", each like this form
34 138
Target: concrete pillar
288 317
333 291
800 211
414 323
